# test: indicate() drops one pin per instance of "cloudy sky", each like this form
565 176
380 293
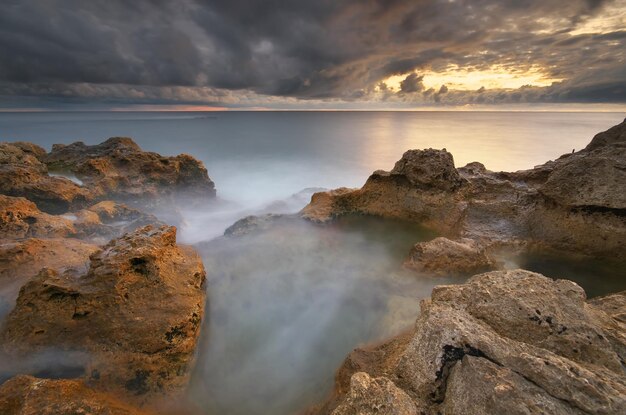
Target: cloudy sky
308 54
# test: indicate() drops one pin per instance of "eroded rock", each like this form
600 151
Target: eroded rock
27 395
23 174
575 203
136 312
119 169
506 341
441 256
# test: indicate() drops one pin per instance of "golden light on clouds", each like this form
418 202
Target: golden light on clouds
613 19
462 79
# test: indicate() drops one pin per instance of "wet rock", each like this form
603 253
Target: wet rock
27 395
136 312
20 218
119 169
506 341
441 256
23 174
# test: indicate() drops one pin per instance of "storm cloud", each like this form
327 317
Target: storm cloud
256 53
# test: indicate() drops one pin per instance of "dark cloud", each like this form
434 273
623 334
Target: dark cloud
412 83
193 51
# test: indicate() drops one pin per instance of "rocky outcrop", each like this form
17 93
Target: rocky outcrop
20 218
136 312
441 256
575 203
119 169
27 395
504 342
23 174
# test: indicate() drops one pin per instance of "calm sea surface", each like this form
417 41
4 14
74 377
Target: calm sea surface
287 305
258 157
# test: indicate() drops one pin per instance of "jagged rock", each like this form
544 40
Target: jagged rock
369 396
110 219
575 203
27 395
441 256
506 341
429 169
594 178
136 312
322 206
119 169
20 218
22 174
22 259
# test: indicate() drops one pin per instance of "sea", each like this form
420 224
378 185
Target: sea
287 305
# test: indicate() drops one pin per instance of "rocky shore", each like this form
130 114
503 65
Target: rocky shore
506 341
575 204
104 307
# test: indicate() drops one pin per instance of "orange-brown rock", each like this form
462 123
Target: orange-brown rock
27 395
136 312
23 174
20 218
119 169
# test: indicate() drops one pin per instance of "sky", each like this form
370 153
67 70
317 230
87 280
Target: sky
312 54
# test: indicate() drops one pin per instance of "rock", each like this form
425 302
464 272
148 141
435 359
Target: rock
119 169
20 218
478 386
592 179
615 135
429 169
253 223
22 174
575 203
375 396
136 312
441 256
506 341
22 259
322 208
27 395
110 219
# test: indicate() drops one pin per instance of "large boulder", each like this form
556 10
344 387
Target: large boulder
423 186
23 174
119 169
429 169
136 312
504 342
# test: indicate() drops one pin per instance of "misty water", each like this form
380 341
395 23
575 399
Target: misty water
286 304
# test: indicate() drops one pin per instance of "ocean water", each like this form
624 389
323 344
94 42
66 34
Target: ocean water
258 157
285 306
